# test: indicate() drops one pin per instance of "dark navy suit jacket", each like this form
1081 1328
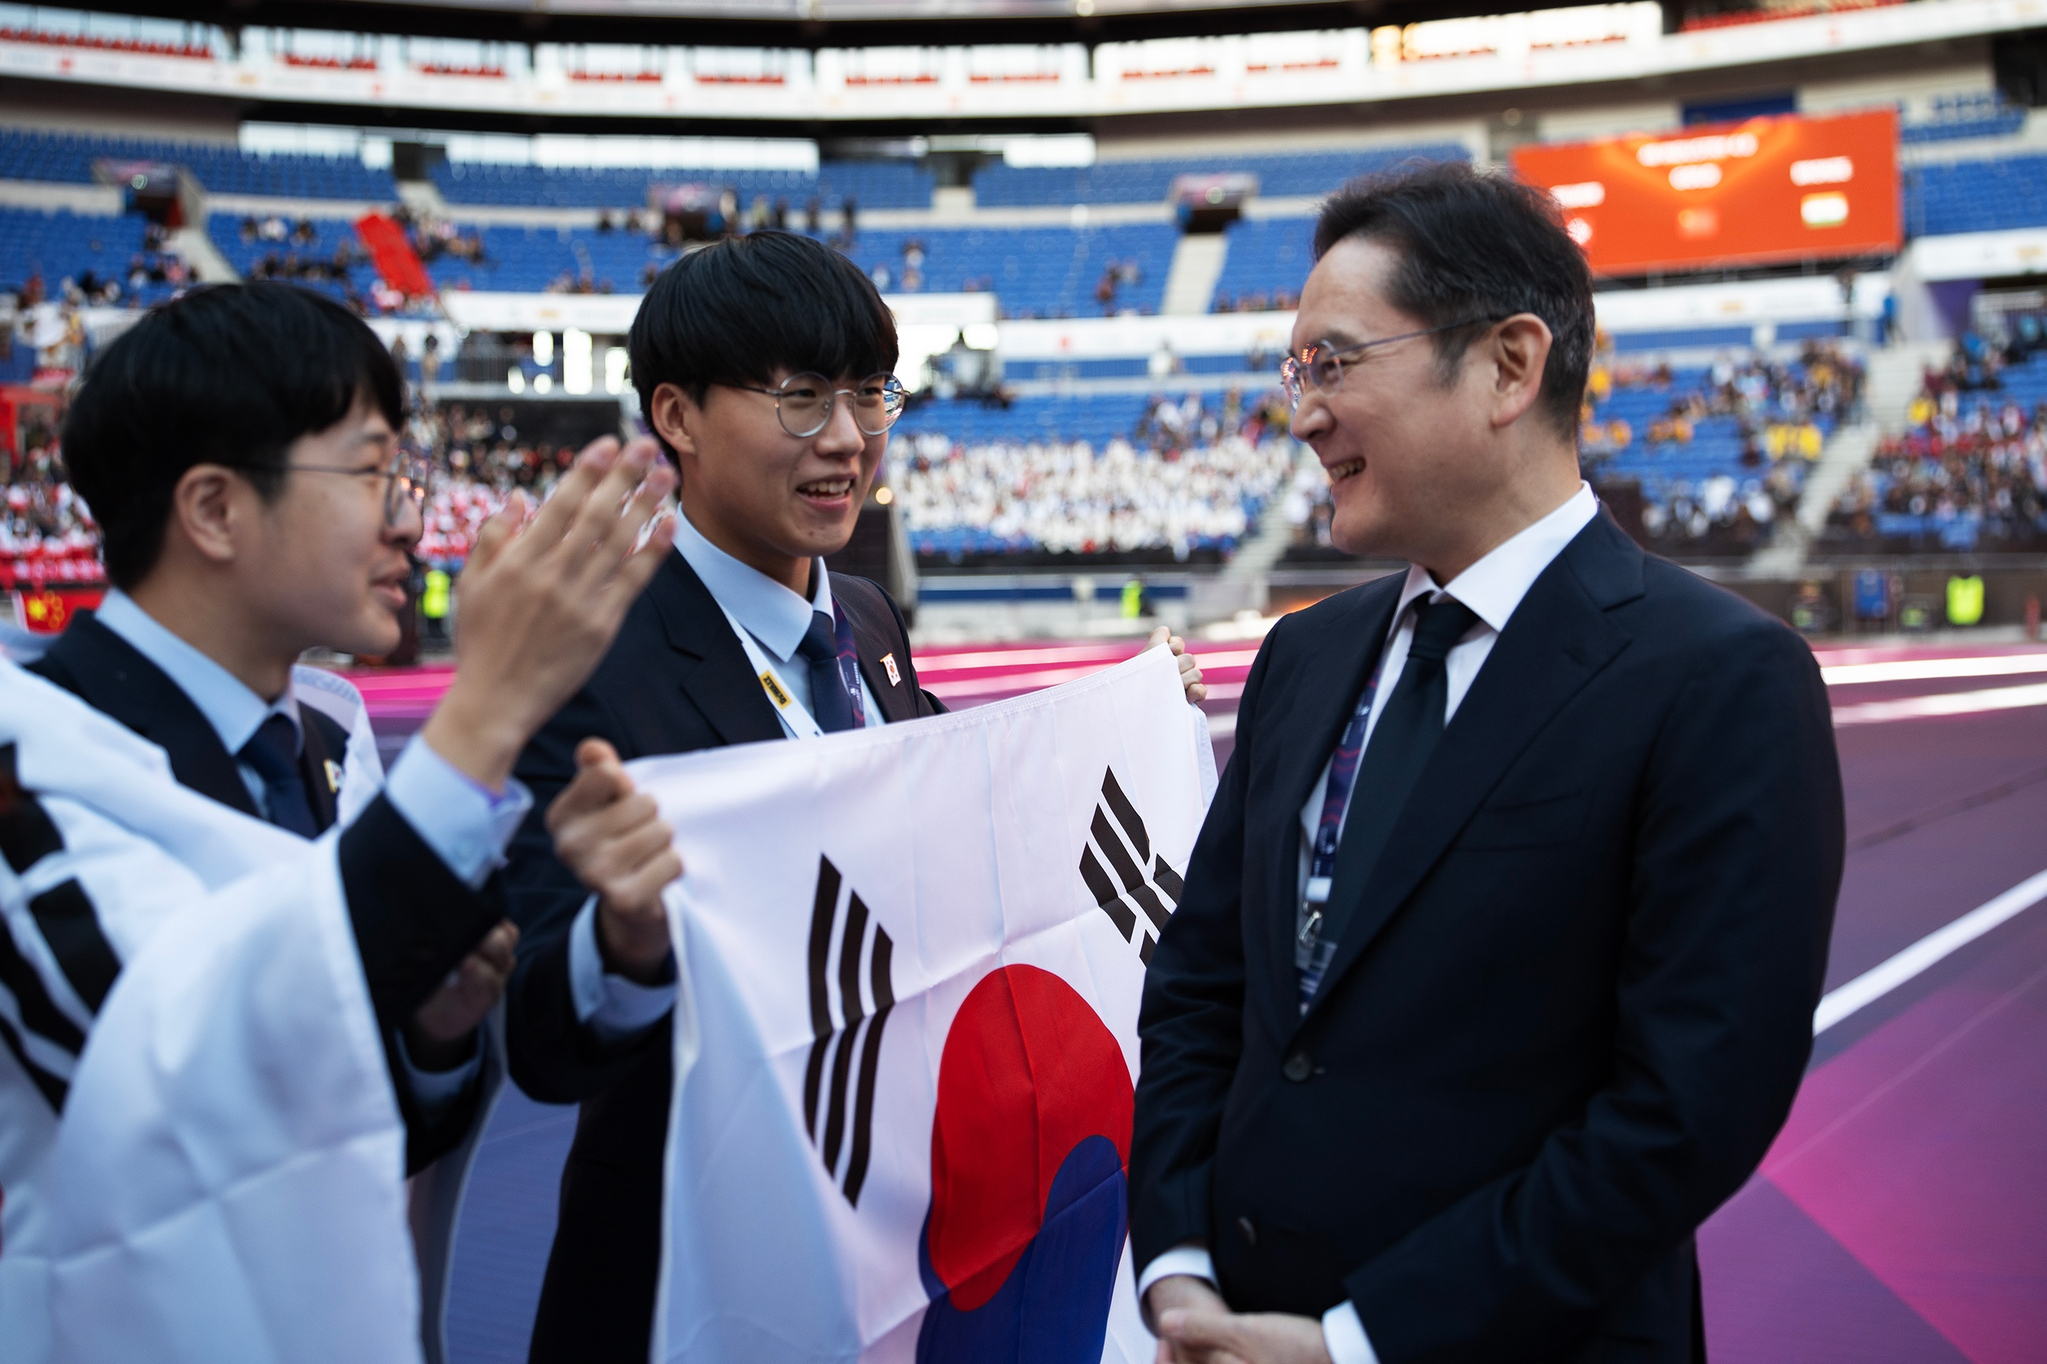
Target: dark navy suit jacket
675 680
1570 1009
414 920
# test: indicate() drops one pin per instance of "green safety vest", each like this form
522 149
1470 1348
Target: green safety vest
1965 599
1133 599
433 603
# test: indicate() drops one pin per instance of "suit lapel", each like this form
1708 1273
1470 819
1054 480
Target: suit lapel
1558 639
1317 708
714 673
875 635
314 760
115 679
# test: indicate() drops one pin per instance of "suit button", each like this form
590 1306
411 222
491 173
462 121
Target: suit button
1298 1067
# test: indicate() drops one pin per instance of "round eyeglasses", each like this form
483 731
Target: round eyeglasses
803 402
409 474
1320 366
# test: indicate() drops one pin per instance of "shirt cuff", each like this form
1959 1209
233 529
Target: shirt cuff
1343 1335
435 1090
1192 1261
464 822
610 1005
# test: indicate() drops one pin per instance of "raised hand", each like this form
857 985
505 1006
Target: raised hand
539 602
615 841
1190 671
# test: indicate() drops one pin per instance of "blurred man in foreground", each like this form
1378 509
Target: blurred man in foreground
237 448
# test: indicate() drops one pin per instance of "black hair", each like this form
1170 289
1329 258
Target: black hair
228 374
1476 245
738 310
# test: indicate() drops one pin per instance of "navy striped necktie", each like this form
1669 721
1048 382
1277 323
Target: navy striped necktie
274 752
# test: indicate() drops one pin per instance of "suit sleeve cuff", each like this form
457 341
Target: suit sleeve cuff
1192 1261
435 1091
465 824
609 1005
1343 1335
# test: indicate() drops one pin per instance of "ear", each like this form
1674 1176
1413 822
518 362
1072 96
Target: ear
672 414
1520 353
207 505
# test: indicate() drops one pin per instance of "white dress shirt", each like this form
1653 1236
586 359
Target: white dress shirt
1492 588
465 825
777 619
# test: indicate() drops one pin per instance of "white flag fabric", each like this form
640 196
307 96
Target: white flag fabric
210 1166
905 1064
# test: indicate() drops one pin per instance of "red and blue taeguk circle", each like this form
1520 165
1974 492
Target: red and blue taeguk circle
1030 1150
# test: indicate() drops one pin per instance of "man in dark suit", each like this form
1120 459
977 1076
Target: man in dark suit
1496 967
764 366
239 450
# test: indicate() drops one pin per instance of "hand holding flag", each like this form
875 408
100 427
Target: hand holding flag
613 838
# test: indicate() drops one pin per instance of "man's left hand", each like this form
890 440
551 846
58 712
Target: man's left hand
1254 1338
1190 671
442 1034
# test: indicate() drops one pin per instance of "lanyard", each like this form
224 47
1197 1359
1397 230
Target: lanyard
795 716
1343 771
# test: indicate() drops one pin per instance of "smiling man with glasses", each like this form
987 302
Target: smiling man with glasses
764 365
1496 967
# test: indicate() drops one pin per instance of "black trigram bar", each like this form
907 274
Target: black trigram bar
828 1079
1119 832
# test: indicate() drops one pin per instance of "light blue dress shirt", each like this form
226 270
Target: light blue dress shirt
466 825
777 618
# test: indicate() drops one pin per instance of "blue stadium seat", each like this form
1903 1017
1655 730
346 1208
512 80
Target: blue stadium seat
65 245
1136 182
223 169
873 184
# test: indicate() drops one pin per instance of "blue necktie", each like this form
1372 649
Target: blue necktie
274 753
830 702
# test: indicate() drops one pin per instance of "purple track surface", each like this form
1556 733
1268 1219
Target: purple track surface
1901 1217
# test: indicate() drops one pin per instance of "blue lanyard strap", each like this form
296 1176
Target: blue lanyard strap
849 665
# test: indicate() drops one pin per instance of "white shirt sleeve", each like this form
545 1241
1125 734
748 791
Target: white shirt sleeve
465 824
610 1005
1343 1335
1192 1261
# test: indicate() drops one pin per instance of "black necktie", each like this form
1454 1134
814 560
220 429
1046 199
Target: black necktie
274 753
829 703
1395 755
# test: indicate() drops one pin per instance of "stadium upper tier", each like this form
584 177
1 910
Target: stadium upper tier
221 168
1141 182
90 250
1976 196
872 184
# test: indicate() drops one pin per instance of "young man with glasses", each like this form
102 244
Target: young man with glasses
764 365
1496 967
239 450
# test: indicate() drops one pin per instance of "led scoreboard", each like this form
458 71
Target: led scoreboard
1760 190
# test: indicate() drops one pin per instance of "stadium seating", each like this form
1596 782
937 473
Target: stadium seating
1036 271
223 169
1976 196
873 184
283 259
1137 182
66 245
1264 257
1973 115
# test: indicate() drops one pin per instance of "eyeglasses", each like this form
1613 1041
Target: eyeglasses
1320 366
803 403
408 473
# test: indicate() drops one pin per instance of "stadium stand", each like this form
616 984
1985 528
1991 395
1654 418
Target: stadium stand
321 254
1984 114
1975 196
1266 262
1969 474
872 184
1035 271
88 250
68 158
1137 182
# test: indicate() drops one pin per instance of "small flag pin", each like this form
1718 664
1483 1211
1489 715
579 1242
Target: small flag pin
888 663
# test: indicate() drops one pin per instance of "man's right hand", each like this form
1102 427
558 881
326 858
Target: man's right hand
615 841
540 602
1181 1292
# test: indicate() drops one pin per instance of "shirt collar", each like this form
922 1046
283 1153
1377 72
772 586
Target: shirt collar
234 711
1494 586
771 613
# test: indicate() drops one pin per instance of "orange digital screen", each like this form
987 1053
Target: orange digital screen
1760 190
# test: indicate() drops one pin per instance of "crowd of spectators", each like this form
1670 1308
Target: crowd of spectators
1258 301
1966 474
1194 476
